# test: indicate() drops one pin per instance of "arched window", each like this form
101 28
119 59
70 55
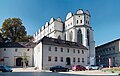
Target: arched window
71 36
88 37
65 37
59 37
79 36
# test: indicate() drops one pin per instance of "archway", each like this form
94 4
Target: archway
67 61
19 61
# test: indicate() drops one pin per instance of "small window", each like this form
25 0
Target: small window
78 51
55 59
80 21
88 22
77 21
28 49
49 48
4 49
61 49
79 16
83 60
61 59
49 58
73 59
15 50
67 50
56 49
82 51
78 59
73 50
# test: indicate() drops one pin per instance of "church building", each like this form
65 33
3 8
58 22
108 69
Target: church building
76 28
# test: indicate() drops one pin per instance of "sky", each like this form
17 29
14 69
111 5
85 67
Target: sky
105 14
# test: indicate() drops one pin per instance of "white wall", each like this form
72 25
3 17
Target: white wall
64 54
12 55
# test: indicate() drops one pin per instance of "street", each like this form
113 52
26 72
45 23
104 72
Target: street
32 72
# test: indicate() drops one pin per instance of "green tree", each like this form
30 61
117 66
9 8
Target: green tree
13 29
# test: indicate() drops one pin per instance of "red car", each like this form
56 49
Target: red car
78 68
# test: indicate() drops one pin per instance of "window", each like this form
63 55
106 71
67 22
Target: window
28 49
79 16
79 36
67 50
49 58
82 51
56 49
71 35
15 50
65 37
59 37
4 49
77 21
83 60
55 59
88 37
73 50
49 48
73 59
61 49
78 51
61 59
78 59
88 22
80 21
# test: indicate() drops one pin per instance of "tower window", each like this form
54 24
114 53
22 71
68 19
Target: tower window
77 21
80 21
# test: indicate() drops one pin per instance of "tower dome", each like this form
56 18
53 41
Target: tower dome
69 15
59 19
87 12
80 11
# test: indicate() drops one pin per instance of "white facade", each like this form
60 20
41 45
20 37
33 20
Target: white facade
13 56
43 52
75 28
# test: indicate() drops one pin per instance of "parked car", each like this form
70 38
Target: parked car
4 68
58 69
94 67
88 67
78 68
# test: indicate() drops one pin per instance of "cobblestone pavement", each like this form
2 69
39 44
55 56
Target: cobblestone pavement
31 72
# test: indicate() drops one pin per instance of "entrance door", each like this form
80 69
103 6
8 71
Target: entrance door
19 61
67 61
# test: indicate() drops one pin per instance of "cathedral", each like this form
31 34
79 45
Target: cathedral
66 43
75 28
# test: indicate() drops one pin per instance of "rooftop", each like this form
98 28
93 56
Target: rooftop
63 43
